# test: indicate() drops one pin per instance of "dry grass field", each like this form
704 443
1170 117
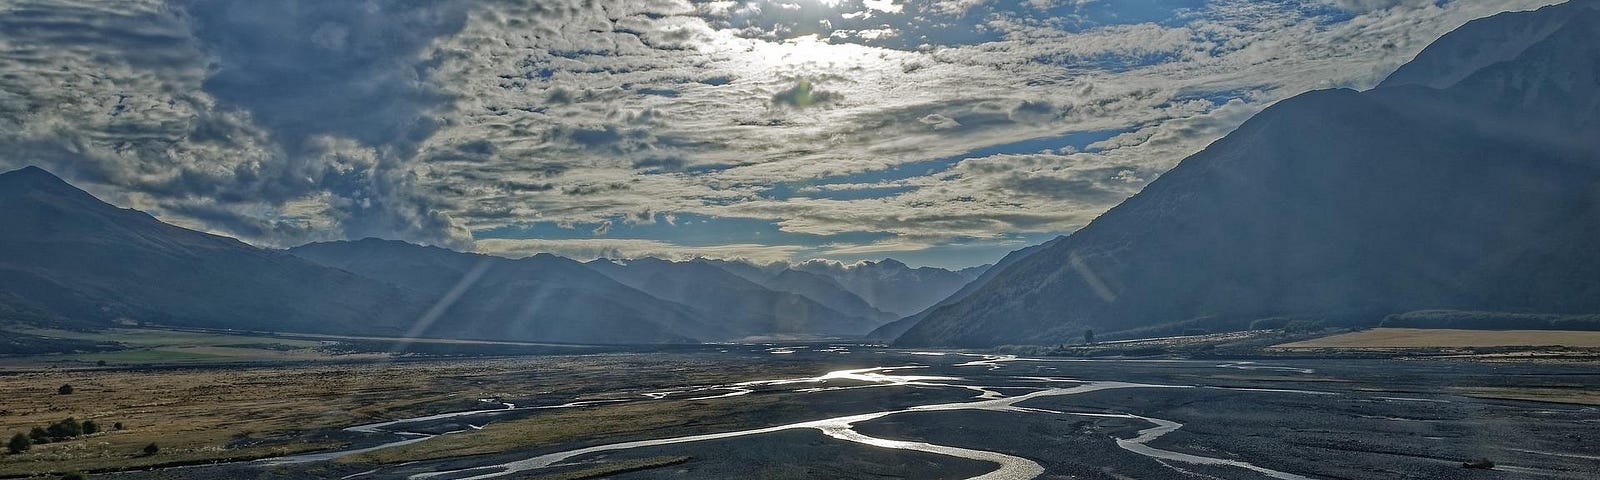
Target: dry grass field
210 413
1391 338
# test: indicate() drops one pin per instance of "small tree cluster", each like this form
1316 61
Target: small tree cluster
62 430
19 443
66 428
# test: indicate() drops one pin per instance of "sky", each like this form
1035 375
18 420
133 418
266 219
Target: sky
942 133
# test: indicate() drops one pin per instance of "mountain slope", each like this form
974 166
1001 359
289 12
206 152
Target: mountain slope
1481 195
731 302
543 298
828 292
65 252
893 330
892 286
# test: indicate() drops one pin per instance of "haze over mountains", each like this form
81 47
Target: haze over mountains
1470 180
77 259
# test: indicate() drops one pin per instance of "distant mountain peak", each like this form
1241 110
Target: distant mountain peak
36 179
1465 181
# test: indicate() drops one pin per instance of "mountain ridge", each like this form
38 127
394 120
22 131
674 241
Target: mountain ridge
1339 205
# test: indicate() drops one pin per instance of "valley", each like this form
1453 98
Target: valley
817 410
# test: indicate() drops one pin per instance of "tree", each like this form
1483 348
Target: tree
90 428
19 443
39 435
74 476
66 389
151 449
116 426
1088 336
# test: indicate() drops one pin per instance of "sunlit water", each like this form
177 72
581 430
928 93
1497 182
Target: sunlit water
985 398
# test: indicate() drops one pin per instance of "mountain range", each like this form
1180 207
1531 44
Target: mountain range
72 258
1468 180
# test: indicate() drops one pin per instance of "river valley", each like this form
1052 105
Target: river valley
876 413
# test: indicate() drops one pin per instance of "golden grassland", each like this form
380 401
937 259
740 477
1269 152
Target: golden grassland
576 425
614 467
1390 338
165 347
1574 394
210 413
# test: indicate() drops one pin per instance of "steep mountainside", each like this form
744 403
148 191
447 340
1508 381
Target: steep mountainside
828 292
69 254
740 306
893 330
544 297
1471 181
892 286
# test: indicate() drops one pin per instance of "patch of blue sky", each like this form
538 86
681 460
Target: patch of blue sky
959 253
1079 141
1217 97
1081 16
863 193
687 229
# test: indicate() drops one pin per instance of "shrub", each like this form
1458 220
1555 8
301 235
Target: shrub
1302 326
116 426
19 443
67 428
1269 323
74 476
66 389
39 435
151 449
90 428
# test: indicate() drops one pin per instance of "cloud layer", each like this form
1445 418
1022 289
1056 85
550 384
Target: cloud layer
785 129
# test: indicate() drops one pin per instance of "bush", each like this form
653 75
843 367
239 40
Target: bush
1303 326
74 476
19 443
90 428
67 428
1270 323
66 389
116 426
151 449
39 436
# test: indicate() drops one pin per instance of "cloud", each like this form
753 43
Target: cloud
133 114
902 125
590 249
804 94
305 69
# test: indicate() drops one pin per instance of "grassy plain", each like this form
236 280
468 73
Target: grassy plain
1383 338
203 413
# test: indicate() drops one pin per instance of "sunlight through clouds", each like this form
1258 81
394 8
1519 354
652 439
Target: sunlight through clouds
841 125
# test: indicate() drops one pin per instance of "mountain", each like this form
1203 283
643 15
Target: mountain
892 286
827 291
742 307
759 274
543 298
71 255
893 330
1470 180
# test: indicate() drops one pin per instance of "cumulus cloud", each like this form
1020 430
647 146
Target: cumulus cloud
217 118
919 123
590 249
